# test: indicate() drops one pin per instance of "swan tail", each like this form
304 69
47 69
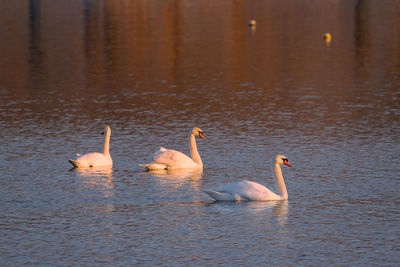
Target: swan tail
223 196
78 164
154 166
74 163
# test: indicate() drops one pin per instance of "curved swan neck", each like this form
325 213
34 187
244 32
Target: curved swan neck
279 182
106 149
194 154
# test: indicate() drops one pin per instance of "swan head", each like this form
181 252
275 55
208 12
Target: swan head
198 132
282 160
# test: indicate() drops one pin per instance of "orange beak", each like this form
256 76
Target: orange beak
287 163
201 135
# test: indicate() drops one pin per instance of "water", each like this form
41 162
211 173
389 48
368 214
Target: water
154 70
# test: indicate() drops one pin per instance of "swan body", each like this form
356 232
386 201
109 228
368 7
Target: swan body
251 191
243 191
95 159
165 159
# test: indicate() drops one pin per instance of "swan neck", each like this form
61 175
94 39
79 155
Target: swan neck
279 182
106 149
194 154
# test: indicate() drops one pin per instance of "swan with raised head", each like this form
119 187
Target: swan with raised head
95 159
251 191
166 159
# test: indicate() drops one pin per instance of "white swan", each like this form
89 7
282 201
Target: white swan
95 159
251 191
171 159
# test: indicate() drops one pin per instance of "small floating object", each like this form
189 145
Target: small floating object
252 23
327 37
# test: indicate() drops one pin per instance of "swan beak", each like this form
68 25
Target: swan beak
201 135
287 163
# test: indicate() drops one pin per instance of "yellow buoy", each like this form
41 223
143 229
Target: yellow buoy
252 23
327 37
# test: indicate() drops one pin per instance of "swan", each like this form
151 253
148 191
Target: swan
166 159
251 191
95 159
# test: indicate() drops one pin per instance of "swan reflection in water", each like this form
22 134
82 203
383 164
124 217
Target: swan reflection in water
277 208
97 178
178 177
258 210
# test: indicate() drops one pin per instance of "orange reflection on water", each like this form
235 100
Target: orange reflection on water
140 59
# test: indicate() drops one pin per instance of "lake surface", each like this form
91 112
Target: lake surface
153 70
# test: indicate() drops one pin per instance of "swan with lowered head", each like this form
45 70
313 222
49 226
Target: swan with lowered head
166 159
251 191
95 159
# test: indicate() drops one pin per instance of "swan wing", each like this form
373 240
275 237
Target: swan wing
224 196
91 160
173 159
245 190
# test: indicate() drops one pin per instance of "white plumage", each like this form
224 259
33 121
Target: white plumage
95 159
172 159
251 191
